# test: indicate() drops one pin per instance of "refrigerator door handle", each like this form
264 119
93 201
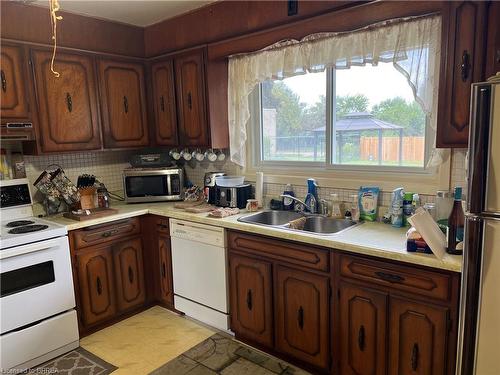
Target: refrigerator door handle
479 131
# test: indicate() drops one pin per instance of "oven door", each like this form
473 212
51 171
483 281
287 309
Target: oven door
36 282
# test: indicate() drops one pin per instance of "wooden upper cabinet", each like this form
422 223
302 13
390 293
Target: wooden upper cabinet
123 104
13 96
251 299
190 89
418 338
463 54
95 276
68 113
302 316
129 274
164 103
363 314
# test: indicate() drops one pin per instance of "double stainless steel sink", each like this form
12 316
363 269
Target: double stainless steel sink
318 224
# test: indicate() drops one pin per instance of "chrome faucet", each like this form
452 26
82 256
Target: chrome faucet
312 209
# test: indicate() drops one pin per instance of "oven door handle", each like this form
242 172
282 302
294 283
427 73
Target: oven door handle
169 185
31 248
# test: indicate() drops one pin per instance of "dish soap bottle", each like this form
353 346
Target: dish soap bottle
288 203
312 200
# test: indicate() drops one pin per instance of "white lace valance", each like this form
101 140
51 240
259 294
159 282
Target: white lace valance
412 45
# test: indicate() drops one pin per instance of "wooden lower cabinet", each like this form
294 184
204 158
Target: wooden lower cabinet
302 315
418 338
363 328
129 274
166 291
251 299
96 284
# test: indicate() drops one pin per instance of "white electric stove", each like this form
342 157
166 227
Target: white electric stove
38 320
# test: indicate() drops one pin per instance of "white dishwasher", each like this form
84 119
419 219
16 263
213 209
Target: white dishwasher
199 259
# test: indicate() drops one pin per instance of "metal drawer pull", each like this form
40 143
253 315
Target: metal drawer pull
163 270
361 338
4 81
162 104
99 286
125 104
414 357
465 66
300 317
249 299
69 102
190 101
108 233
130 275
390 277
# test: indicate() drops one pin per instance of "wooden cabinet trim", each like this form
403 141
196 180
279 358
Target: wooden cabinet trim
309 256
436 285
105 233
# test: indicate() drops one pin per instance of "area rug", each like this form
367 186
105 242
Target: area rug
220 354
76 362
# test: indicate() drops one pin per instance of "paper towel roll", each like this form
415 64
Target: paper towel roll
259 188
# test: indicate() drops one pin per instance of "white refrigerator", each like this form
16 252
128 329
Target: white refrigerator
479 328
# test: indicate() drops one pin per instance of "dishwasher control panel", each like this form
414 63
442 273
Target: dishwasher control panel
207 234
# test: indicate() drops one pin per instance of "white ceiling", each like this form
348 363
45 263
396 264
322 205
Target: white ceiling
134 12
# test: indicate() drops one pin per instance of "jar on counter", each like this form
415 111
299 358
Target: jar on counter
103 198
431 209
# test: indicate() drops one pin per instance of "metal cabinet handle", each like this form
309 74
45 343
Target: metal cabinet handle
4 81
130 275
99 286
300 317
162 104
249 299
390 277
361 338
414 357
69 102
465 66
190 101
125 104
163 270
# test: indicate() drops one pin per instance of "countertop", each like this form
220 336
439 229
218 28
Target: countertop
374 239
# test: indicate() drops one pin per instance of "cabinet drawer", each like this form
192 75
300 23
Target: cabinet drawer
397 277
302 255
162 225
104 233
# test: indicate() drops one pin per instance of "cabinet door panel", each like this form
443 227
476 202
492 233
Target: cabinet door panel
189 76
165 257
67 104
13 97
123 104
251 299
418 337
302 315
466 32
362 330
95 275
164 103
129 274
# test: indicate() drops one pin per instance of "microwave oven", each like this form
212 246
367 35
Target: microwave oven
153 184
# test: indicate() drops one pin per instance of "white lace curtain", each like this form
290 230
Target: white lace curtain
413 45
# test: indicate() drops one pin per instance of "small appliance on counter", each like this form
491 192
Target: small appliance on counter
209 188
234 196
153 184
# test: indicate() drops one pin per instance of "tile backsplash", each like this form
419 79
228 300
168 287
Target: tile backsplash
107 166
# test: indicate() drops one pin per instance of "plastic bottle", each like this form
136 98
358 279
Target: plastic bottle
288 204
355 207
407 201
415 203
312 200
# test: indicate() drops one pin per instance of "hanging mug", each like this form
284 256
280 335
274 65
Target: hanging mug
211 155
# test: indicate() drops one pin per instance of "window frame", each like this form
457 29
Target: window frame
257 134
424 180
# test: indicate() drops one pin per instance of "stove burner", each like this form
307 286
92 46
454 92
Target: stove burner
19 223
28 228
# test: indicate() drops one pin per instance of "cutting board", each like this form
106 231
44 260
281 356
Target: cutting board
94 214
